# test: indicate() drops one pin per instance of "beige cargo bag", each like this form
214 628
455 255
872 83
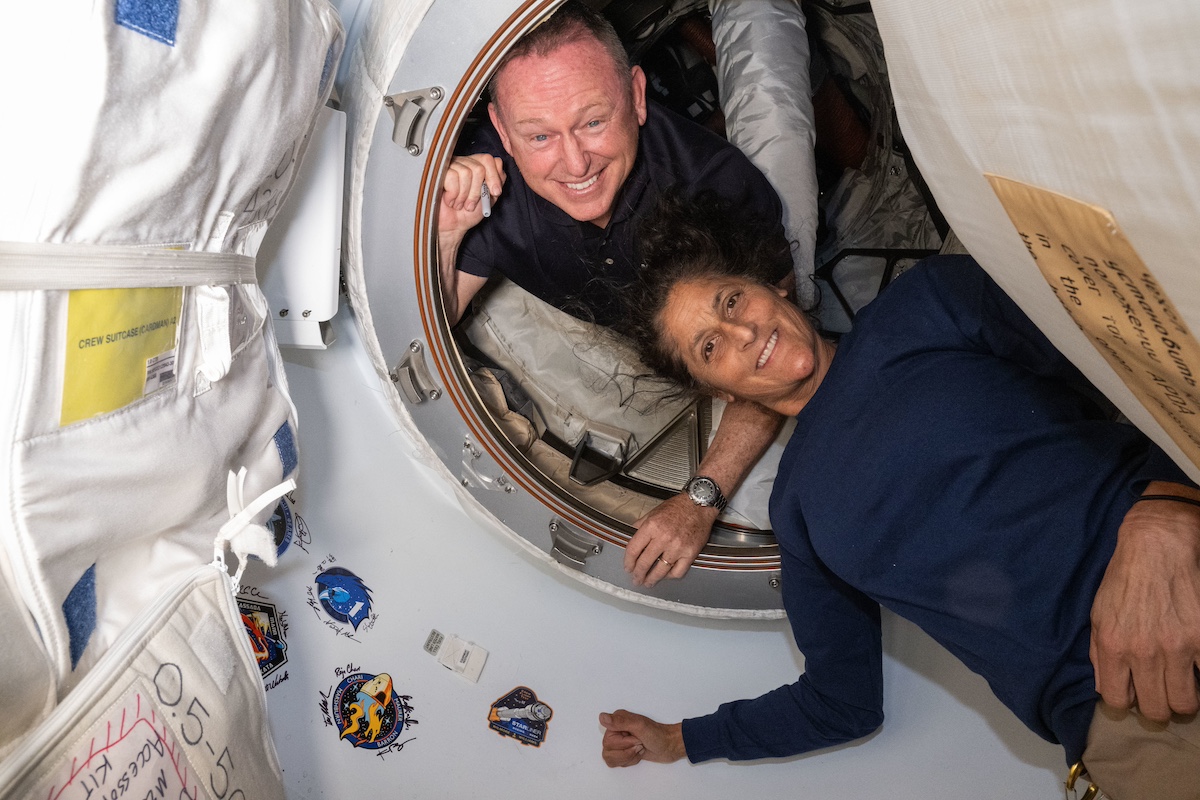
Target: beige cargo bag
1060 140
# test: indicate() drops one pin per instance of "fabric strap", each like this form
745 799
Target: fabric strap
45 266
1173 497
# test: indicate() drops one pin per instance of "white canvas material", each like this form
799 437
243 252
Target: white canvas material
577 374
1092 99
27 692
172 126
175 708
40 265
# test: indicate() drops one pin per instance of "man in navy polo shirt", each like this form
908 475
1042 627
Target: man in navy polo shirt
575 156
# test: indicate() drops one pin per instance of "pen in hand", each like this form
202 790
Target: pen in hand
485 197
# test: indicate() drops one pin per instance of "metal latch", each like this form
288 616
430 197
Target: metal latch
572 547
413 378
477 471
410 114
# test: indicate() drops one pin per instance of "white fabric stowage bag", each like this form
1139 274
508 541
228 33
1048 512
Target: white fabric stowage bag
1060 140
147 145
174 709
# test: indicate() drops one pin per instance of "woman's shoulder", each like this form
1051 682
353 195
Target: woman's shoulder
944 276
935 294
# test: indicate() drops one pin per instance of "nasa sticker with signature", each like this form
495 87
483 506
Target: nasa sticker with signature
341 599
266 627
367 711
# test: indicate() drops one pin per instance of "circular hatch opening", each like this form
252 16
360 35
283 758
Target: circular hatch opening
540 419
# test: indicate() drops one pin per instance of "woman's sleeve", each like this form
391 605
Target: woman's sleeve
993 320
838 698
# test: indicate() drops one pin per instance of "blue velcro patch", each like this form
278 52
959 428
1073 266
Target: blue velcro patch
154 18
285 443
80 611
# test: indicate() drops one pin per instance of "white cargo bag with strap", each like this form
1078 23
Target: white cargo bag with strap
175 708
147 146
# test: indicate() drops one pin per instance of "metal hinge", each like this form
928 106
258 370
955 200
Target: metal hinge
413 378
572 547
410 114
478 471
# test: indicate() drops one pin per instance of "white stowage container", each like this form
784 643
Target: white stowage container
146 146
1067 132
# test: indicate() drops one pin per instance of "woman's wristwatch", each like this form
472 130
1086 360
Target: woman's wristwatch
704 492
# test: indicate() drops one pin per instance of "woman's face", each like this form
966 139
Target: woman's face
747 341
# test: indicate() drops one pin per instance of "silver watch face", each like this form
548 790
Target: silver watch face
703 491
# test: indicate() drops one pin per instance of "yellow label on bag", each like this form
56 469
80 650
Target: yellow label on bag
120 348
1113 297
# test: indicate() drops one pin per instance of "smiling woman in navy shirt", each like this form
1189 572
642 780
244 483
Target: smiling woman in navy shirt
949 464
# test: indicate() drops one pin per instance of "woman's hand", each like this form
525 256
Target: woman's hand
631 738
669 538
1146 614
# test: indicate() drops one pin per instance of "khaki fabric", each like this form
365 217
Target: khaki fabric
1131 758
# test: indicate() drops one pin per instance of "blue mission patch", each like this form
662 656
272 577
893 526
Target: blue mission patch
344 596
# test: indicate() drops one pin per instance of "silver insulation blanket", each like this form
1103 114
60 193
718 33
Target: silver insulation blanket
763 75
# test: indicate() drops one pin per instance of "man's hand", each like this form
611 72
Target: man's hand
668 539
460 210
631 738
462 188
1146 614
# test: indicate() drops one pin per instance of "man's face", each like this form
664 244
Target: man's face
570 120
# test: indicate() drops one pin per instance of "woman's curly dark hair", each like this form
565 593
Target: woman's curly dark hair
687 239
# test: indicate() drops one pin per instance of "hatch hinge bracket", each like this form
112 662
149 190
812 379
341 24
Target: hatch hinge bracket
410 114
570 546
479 471
412 376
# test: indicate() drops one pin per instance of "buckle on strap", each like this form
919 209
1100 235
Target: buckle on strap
1075 775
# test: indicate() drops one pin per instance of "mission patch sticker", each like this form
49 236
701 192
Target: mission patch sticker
521 715
367 711
341 600
266 629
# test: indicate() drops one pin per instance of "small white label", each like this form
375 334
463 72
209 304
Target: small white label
433 642
160 372
457 655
